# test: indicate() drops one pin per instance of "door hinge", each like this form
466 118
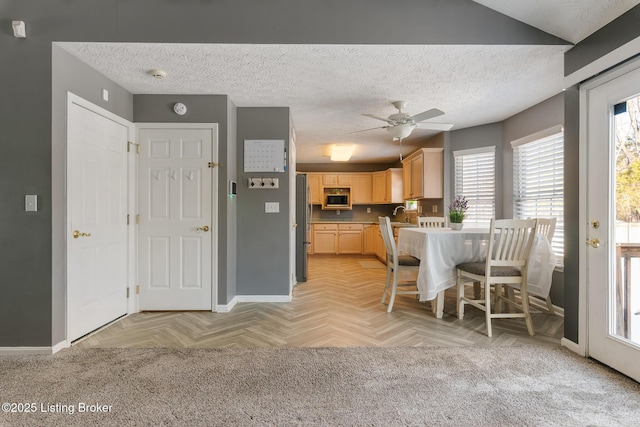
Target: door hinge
138 289
138 219
127 292
134 144
214 164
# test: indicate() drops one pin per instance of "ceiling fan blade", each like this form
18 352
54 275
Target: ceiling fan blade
365 130
425 115
380 118
435 126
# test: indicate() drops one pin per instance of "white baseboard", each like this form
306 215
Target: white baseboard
226 308
60 346
14 351
263 298
576 348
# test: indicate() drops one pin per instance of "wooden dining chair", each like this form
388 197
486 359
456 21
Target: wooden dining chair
546 227
432 222
396 265
506 263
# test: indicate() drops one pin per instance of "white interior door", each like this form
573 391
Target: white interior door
612 256
176 225
96 221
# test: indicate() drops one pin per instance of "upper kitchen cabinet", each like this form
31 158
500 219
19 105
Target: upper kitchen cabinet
422 174
315 186
361 189
336 180
387 186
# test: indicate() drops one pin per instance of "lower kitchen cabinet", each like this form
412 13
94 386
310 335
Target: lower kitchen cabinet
350 238
325 238
369 238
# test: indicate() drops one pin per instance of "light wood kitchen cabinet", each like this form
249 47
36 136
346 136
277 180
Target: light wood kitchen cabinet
369 232
379 183
349 238
387 186
361 189
325 238
422 174
336 180
315 185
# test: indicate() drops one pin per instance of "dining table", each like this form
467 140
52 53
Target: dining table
441 249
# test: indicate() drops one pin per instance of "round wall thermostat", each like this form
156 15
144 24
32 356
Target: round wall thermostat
179 108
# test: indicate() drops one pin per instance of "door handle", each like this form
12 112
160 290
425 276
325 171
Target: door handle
204 228
594 243
77 233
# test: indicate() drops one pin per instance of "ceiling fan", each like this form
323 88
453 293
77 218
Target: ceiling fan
400 125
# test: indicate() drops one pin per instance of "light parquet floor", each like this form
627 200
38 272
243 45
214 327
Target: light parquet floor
339 306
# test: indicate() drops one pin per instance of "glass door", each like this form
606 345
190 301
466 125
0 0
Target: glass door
613 216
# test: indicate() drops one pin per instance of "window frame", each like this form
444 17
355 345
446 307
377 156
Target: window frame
554 197
479 196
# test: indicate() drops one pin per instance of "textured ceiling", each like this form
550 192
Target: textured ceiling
328 87
571 20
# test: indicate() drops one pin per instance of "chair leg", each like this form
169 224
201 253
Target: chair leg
459 301
386 285
525 308
394 288
487 308
550 306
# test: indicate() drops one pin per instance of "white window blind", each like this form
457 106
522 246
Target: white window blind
538 183
475 179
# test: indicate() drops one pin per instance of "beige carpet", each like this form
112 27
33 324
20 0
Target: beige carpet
408 386
372 264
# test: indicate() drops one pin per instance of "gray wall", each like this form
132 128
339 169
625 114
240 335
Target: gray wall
28 145
263 238
205 109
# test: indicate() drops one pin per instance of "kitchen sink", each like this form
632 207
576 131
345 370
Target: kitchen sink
403 224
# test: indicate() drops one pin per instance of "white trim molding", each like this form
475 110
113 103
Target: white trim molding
226 308
21 351
611 59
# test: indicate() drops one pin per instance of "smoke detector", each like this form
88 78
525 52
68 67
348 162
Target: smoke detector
158 74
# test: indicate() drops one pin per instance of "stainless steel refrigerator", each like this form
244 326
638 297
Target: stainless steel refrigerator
303 229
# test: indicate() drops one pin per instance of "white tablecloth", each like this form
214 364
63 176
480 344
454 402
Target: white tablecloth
441 249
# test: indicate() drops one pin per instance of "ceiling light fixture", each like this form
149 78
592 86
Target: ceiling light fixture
342 152
401 131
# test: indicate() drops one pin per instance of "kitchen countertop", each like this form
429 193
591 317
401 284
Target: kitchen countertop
361 221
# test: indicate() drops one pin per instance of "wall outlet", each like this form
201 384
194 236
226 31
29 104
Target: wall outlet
368 210
434 208
338 212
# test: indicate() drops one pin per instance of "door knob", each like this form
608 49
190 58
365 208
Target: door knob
594 243
204 228
77 233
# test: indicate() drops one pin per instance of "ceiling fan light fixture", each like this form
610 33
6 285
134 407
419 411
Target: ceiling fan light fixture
401 131
342 152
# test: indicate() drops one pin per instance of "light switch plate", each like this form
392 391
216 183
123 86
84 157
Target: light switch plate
272 207
31 203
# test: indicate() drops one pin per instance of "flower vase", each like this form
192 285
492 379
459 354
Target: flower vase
456 225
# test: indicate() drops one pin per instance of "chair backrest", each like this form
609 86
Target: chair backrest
511 242
547 226
432 222
387 235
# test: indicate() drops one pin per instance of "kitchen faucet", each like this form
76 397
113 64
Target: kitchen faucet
395 211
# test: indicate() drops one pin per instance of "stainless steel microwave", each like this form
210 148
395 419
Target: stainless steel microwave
337 200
